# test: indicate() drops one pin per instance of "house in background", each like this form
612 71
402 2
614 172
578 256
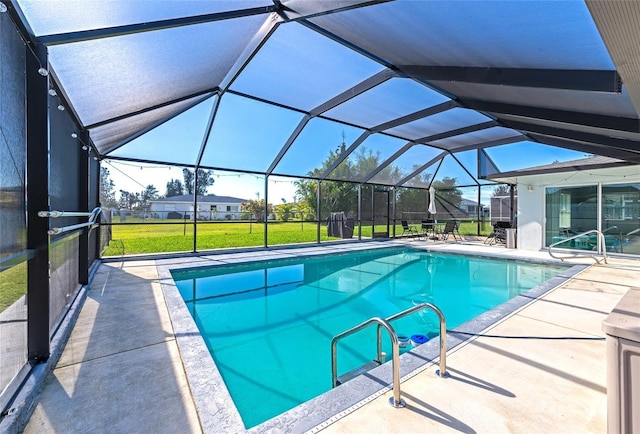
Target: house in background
210 207
471 207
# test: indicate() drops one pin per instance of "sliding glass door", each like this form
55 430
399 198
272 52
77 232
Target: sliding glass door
571 211
621 217
574 210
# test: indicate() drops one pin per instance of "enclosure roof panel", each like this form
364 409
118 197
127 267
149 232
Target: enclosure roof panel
56 17
516 34
112 77
300 68
110 136
390 100
306 87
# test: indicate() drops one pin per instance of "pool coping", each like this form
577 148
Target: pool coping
218 413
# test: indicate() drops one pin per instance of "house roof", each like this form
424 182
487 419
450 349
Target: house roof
210 198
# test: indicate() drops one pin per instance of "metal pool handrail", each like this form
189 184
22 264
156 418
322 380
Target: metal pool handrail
602 244
442 372
395 400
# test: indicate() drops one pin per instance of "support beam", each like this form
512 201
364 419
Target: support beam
83 204
458 132
294 135
578 136
421 114
318 209
472 176
491 143
345 154
266 211
95 238
386 163
568 79
591 148
108 32
253 47
37 200
307 10
354 91
570 117
420 169
207 131
204 94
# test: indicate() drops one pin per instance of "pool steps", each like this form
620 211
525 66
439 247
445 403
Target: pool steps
396 400
357 371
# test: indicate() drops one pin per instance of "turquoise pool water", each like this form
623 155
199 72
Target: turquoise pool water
269 325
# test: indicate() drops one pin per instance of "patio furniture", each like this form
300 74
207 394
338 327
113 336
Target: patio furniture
499 234
408 230
451 228
428 228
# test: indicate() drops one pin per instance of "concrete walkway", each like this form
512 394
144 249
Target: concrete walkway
121 370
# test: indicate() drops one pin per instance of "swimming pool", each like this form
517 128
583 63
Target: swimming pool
269 325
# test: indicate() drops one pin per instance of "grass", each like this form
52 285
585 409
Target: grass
140 238
13 285
137 236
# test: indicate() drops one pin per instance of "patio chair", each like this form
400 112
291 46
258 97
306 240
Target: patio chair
408 230
451 228
499 234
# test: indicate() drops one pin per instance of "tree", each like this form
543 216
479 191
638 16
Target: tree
339 195
188 181
174 188
204 181
256 208
128 200
284 210
149 193
304 212
107 189
306 190
412 201
336 195
501 190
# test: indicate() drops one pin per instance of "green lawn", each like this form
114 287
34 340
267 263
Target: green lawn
138 237
13 285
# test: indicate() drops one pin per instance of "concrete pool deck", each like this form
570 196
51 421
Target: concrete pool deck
122 370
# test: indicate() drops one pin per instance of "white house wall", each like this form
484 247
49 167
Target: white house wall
531 197
204 210
531 215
